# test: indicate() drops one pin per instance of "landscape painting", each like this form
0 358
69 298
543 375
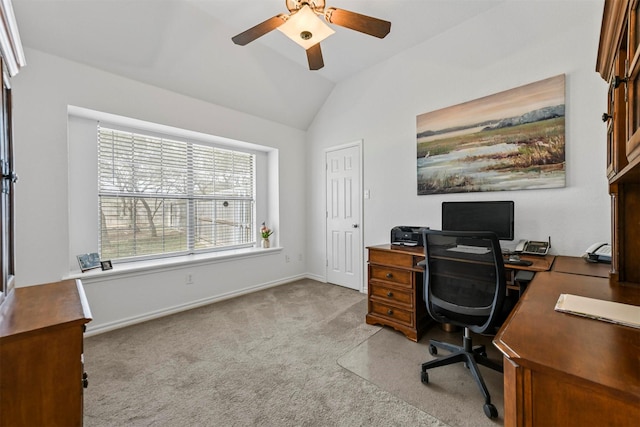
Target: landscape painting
512 140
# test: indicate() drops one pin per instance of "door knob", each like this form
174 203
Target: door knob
355 225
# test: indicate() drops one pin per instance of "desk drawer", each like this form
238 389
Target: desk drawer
403 260
391 295
387 274
392 313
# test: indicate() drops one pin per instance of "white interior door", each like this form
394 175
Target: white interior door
344 217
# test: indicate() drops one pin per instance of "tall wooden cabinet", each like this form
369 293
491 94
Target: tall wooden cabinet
8 178
618 63
41 363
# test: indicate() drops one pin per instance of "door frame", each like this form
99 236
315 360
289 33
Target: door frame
358 144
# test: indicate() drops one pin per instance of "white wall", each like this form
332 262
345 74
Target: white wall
511 45
42 91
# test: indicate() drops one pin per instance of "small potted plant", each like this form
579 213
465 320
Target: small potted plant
265 232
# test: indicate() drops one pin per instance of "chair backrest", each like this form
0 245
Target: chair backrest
464 279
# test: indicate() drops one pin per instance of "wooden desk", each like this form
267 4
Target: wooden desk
561 369
395 285
540 263
575 265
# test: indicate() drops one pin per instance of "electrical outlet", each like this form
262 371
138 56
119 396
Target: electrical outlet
286 258
188 280
300 257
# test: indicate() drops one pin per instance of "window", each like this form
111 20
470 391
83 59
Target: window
160 197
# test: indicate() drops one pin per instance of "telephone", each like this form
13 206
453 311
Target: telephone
532 247
598 252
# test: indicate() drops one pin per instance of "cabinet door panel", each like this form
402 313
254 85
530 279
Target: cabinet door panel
7 261
556 401
37 391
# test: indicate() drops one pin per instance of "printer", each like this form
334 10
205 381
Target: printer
405 235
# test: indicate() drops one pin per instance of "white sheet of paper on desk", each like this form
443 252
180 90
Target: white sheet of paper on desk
607 311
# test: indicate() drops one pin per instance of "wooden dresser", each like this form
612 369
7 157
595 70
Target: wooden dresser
395 289
41 363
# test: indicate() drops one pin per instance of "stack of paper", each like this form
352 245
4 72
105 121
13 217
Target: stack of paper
608 311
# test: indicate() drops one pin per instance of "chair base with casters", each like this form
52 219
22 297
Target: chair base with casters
472 356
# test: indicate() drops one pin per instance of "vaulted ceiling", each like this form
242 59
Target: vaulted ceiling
185 46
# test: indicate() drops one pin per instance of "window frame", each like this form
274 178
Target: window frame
192 152
83 183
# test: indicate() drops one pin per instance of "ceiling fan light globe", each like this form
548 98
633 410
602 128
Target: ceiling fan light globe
305 23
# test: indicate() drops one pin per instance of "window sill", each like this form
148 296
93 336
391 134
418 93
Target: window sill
142 267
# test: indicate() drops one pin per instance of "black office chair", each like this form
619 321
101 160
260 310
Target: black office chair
464 285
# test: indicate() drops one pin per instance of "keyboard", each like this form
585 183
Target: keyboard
471 249
518 262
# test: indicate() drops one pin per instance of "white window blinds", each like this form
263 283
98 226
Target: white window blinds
161 197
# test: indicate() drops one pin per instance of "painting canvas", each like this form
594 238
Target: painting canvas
512 140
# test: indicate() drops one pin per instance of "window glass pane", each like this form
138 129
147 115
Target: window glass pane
221 223
634 103
222 172
159 196
133 226
137 164
635 23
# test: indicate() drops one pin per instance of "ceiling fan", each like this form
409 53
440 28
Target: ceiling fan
304 26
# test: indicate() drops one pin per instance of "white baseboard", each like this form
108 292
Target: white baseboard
121 323
317 278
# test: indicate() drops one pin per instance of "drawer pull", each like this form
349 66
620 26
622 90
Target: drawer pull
390 312
389 275
389 294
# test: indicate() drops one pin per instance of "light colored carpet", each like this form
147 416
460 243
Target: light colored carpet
263 359
392 362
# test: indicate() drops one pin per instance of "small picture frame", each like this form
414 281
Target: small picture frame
89 261
106 265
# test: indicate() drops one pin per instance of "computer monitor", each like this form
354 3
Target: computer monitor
496 216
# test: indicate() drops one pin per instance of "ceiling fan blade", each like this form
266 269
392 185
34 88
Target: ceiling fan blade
259 30
355 21
314 57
